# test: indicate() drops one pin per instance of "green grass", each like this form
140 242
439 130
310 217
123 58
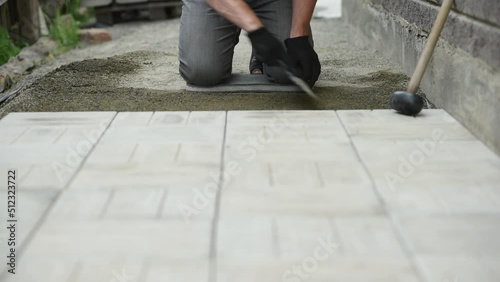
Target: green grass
64 30
7 48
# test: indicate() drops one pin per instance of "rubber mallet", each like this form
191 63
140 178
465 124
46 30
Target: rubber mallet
407 102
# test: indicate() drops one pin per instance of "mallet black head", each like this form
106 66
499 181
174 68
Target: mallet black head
406 103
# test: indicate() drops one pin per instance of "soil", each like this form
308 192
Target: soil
147 79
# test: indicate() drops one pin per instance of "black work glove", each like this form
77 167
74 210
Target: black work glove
303 59
268 49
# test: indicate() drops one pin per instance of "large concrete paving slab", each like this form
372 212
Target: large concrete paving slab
256 196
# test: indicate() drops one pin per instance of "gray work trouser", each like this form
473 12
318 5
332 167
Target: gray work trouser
207 40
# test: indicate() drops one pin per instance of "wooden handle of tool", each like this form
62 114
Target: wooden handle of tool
429 46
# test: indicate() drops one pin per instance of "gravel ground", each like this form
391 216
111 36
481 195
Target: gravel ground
138 71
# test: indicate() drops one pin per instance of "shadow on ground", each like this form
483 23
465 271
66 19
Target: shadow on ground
94 85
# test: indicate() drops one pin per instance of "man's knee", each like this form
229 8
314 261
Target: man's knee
204 75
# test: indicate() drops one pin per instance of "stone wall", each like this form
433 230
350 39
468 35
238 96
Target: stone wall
464 74
474 25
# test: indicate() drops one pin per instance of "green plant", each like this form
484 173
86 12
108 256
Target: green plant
73 8
7 48
64 29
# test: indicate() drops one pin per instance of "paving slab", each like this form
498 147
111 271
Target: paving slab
253 196
161 149
467 235
459 268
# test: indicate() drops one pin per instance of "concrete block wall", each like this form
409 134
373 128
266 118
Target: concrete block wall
474 25
463 77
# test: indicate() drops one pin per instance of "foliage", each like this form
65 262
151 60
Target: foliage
73 8
7 48
64 29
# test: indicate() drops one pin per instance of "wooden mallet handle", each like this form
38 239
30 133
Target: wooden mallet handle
429 46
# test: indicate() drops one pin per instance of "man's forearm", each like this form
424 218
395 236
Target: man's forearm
237 12
301 19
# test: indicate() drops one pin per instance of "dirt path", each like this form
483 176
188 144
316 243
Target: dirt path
137 71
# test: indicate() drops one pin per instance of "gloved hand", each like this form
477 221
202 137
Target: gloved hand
268 49
303 59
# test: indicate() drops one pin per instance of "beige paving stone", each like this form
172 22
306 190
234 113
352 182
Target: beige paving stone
453 199
153 163
57 118
284 201
200 118
385 124
135 203
115 267
80 205
21 172
54 176
190 271
284 127
43 268
480 174
303 175
466 235
81 136
164 135
123 156
190 204
242 238
343 175
52 144
262 175
288 117
41 135
363 116
11 133
303 236
209 154
117 155
333 269
299 174
188 119
352 117
164 239
169 119
435 115
252 269
266 135
368 236
244 175
36 154
247 152
126 209
449 177
179 176
153 155
30 207
431 149
410 132
459 268
263 134
132 119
